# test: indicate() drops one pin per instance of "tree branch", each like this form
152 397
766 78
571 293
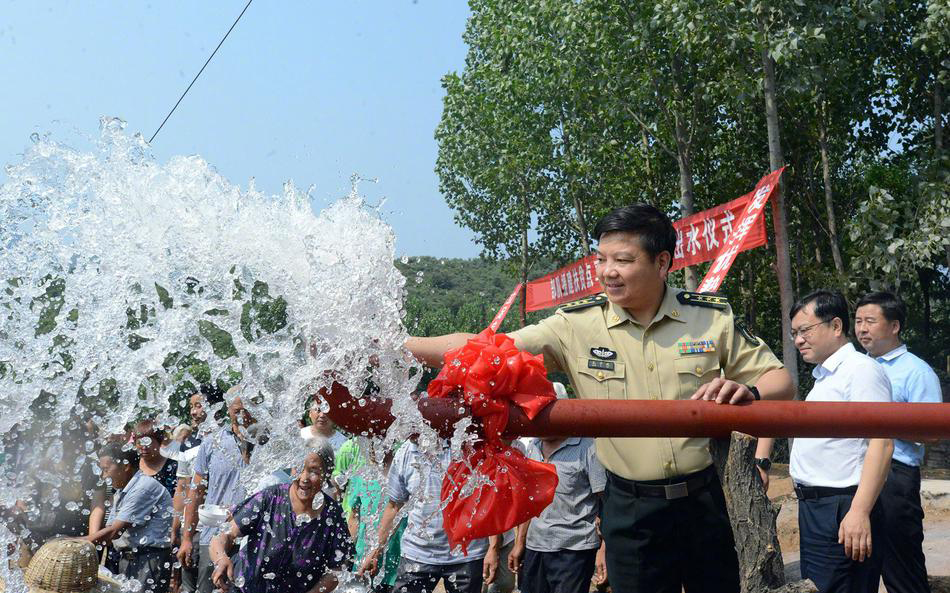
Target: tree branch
646 129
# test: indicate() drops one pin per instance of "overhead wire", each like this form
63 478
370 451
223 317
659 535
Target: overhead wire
220 43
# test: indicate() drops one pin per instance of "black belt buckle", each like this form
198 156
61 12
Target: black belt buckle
674 491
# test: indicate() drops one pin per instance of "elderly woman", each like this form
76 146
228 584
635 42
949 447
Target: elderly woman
296 534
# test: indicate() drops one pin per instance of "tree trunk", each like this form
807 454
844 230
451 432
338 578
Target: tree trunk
645 143
687 203
925 277
750 304
802 586
829 203
582 226
580 220
522 309
938 115
783 265
752 514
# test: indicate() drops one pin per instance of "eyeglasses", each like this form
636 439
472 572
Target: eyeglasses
805 331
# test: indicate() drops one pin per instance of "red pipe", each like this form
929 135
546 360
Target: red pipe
659 418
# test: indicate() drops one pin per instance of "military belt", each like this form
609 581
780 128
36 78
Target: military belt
679 487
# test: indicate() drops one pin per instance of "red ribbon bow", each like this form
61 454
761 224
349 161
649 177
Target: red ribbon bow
487 373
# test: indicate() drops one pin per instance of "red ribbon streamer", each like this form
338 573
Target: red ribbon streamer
488 373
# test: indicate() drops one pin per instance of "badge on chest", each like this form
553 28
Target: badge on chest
603 365
603 353
696 346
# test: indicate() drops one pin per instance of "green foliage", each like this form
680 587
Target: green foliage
262 314
50 303
565 110
455 295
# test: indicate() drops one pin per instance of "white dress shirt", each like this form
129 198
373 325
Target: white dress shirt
845 376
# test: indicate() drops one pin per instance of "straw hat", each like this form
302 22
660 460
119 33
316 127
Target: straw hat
67 566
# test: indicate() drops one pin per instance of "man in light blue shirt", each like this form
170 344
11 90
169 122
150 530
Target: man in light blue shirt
878 322
415 478
217 481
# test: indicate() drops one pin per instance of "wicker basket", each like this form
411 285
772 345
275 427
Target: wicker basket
63 566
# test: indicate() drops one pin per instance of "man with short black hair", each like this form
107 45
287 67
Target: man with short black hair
838 480
664 517
139 521
878 322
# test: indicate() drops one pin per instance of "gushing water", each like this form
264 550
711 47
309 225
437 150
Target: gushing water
125 283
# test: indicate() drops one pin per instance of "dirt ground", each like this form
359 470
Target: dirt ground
935 496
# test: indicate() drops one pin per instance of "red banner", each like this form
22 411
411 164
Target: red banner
737 241
700 237
570 283
500 315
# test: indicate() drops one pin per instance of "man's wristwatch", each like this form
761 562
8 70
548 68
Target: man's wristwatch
755 392
764 463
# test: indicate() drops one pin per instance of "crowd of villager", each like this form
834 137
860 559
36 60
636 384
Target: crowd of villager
175 509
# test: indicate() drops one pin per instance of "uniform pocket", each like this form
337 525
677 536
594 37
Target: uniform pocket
600 383
696 370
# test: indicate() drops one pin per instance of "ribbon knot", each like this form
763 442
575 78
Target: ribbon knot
488 373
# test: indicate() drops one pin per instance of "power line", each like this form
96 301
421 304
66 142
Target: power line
200 71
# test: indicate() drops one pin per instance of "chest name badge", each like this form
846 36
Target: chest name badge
696 346
600 364
604 353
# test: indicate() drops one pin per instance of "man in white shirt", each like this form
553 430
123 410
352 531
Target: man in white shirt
838 481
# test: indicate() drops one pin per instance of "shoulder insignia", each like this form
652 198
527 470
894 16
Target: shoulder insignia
591 301
743 330
703 299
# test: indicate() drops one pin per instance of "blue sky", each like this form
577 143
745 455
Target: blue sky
307 91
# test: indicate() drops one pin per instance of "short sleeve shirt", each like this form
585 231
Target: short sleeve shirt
167 476
366 496
569 522
146 505
186 459
607 354
845 376
284 553
912 381
417 480
219 462
348 459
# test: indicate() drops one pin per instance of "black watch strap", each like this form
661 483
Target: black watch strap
755 392
764 462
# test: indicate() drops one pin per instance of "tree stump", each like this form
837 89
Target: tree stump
753 517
